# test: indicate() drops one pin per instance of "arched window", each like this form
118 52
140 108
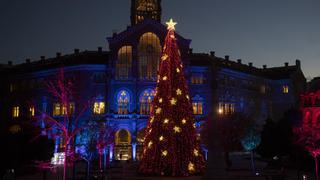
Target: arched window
124 62
123 102
146 5
146 99
149 51
197 105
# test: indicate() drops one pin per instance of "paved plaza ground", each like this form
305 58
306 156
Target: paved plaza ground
123 171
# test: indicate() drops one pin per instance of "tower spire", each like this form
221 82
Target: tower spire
145 9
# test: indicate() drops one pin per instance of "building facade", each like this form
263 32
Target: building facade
121 81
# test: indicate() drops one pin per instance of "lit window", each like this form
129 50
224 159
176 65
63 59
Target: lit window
146 100
197 79
197 105
226 108
99 108
124 62
32 111
16 112
60 110
11 88
149 51
285 89
72 108
197 108
56 109
123 102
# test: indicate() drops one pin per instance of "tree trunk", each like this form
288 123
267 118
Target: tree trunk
73 170
316 163
252 163
65 163
88 170
44 177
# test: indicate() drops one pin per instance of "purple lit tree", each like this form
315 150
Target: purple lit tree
94 138
64 126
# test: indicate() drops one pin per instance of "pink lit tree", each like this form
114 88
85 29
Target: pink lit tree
308 133
105 135
66 126
309 138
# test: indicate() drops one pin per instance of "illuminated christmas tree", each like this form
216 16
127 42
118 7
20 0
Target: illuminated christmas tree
172 147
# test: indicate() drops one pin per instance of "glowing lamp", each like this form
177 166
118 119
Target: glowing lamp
58 158
150 144
161 138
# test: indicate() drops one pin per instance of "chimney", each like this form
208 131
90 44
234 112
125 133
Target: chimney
76 51
190 51
298 63
239 61
58 54
10 63
264 66
250 64
100 49
226 57
286 64
28 61
212 53
42 58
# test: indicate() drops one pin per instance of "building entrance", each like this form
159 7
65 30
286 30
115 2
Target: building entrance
123 148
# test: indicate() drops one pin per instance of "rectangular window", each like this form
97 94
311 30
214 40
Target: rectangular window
197 79
72 108
285 89
197 108
56 109
61 110
99 108
226 108
32 111
16 112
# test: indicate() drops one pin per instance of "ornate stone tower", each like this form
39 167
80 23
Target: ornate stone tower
145 9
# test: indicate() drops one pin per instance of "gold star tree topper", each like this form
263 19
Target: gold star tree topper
171 24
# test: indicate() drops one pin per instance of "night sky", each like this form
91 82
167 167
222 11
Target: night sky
260 31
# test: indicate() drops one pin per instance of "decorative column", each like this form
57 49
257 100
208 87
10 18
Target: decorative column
111 152
134 151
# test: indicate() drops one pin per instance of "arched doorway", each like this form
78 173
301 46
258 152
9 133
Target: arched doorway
123 149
